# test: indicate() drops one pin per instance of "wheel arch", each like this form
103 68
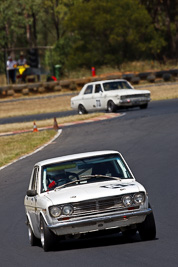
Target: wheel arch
80 103
111 99
42 215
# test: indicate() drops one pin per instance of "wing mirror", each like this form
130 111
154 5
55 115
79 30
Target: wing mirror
31 193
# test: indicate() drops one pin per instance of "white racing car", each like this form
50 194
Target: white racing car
109 95
82 193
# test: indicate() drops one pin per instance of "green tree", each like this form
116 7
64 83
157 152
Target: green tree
54 15
12 26
56 11
109 32
164 14
11 23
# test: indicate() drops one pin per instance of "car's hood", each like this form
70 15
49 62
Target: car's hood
126 92
92 191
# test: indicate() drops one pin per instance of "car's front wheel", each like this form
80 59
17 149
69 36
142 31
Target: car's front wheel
81 109
147 229
144 106
47 237
129 233
111 107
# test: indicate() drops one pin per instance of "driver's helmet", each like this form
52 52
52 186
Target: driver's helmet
57 179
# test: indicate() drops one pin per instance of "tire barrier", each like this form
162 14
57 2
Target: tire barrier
77 84
128 76
167 77
151 78
144 75
135 80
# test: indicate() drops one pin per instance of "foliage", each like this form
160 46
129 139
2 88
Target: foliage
110 32
90 32
164 14
11 23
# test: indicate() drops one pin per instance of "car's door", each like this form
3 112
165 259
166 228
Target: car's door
87 97
98 101
31 201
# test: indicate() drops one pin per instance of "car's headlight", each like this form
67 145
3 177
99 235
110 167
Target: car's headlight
139 198
127 200
55 211
67 210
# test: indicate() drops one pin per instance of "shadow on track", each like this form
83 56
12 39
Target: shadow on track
93 240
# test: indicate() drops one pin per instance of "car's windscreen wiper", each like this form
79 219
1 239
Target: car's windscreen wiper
87 177
63 185
100 176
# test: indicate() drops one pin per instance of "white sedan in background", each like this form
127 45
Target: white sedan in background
76 194
109 95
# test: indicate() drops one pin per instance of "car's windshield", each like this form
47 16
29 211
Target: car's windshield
116 85
82 171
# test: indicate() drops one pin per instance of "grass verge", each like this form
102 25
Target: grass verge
15 146
163 91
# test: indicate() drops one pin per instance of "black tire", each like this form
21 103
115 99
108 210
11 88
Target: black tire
111 107
147 229
32 238
151 78
129 233
167 77
47 237
81 110
144 106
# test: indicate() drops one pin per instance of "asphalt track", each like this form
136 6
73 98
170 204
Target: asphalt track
148 139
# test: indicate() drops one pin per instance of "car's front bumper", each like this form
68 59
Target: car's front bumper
84 225
133 101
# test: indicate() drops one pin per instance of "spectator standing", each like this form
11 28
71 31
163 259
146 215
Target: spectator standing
22 60
11 69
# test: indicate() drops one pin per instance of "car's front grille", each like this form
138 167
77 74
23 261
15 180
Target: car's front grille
97 206
134 96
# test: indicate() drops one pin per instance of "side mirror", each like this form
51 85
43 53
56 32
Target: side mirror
31 193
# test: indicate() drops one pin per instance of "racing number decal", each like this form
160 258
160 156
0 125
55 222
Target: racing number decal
98 103
112 186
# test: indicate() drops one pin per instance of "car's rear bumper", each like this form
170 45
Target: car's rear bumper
100 222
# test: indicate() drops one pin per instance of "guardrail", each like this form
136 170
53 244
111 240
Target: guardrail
76 84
